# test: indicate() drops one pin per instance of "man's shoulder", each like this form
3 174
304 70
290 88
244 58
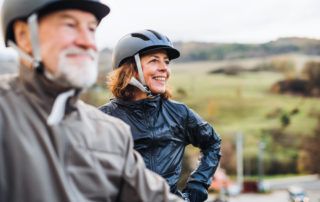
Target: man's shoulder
7 83
106 124
94 113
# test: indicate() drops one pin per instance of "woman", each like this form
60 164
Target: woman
161 128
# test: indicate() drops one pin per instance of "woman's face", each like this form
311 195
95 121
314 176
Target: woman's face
156 71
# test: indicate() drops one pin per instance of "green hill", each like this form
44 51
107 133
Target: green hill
200 51
205 51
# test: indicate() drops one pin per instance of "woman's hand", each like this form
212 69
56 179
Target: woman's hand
196 191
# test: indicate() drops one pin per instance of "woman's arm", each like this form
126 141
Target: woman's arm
202 135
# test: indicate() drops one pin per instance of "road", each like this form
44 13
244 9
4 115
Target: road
278 193
275 196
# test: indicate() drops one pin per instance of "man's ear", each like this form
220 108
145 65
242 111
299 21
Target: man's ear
22 36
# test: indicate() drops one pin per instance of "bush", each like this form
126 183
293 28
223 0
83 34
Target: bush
312 72
309 156
281 151
232 69
283 65
295 86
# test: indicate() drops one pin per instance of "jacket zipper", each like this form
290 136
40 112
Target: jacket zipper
152 167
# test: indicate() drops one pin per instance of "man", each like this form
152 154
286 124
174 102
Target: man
54 147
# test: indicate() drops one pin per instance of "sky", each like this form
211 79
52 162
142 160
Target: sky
241 21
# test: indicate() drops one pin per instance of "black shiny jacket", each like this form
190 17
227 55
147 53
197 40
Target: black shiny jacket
162 129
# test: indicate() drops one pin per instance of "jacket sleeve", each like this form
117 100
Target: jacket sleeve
141 184
3 174
201 134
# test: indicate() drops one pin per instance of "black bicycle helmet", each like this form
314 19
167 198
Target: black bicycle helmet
13 10
140 42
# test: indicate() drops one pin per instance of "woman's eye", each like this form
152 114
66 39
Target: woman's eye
167 62
70 24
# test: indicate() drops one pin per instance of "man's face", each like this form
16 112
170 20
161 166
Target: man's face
67 45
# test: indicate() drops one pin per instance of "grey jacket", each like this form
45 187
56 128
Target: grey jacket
88 156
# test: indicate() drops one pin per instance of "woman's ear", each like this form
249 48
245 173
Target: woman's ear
22 36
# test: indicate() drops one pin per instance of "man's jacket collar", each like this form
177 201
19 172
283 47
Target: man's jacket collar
41 89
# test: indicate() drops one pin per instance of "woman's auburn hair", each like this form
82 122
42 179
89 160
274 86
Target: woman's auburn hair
118 82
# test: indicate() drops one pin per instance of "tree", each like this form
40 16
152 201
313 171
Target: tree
309 157
312 71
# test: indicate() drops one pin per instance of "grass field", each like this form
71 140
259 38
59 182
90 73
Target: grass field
241 103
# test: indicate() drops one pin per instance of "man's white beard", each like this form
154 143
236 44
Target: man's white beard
77 73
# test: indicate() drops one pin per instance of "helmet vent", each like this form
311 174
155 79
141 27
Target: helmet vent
155 33
168 39
141 36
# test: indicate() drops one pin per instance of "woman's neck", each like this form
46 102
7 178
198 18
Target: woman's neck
139 95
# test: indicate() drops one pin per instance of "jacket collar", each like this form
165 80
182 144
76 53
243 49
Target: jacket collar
144 104
42 90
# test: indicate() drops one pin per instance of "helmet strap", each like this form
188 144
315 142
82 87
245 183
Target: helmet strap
36 59
21 53
141 85
33 26
139 67
137 84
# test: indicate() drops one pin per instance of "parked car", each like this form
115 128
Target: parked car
297 194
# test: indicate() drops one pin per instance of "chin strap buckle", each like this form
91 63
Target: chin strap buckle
143 88
148 91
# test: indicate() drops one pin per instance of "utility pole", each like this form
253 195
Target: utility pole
261 147
239 146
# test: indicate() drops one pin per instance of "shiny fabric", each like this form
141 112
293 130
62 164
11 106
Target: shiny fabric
161 130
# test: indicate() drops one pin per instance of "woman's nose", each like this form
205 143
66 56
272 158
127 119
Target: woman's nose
163 66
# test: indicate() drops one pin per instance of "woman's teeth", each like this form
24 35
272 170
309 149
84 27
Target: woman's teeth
160 78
